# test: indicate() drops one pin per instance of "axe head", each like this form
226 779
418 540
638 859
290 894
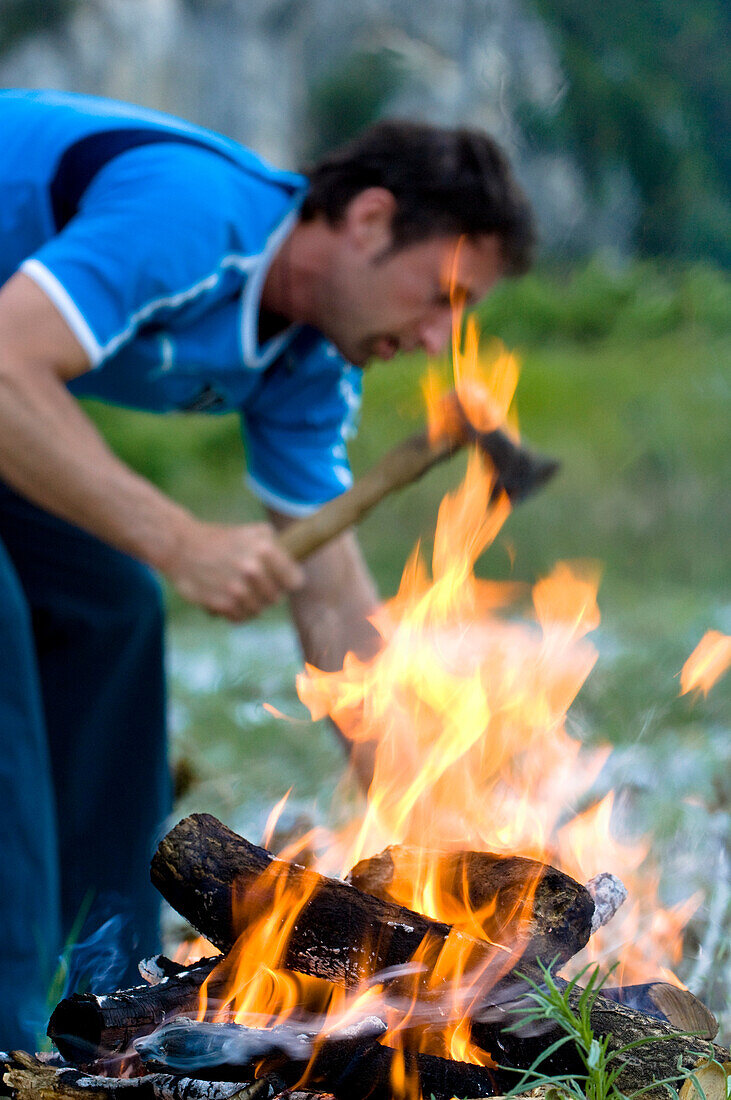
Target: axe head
519 471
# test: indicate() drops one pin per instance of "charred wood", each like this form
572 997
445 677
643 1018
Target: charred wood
351 1065
208 873
26 1078
199 864
87 1026
187 1045
544 912
608 894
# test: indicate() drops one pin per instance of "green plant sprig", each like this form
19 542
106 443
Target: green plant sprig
546 1001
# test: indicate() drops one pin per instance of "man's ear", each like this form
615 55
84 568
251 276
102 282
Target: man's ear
367 221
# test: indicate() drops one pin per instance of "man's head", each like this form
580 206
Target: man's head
400 221
447 183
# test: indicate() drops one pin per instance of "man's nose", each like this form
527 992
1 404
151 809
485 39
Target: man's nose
436 330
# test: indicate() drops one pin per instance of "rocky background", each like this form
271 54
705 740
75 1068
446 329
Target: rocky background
617 115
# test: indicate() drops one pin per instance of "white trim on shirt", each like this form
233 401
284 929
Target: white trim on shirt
294 508
254 357
66 306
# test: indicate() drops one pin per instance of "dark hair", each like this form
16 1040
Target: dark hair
444 182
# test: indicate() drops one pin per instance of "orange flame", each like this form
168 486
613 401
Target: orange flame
707 663
465 703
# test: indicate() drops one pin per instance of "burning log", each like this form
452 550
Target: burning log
349 1064
86 1026
197 868
343 935
339 935
516 900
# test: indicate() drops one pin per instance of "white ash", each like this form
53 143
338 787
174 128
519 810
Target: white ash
152 971
609 894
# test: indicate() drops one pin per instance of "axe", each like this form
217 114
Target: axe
519 472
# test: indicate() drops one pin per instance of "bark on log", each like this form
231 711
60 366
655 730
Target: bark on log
517 900
648 1064
213 877
87 1026
199 862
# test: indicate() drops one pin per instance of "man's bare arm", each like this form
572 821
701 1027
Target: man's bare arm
51 453
330 613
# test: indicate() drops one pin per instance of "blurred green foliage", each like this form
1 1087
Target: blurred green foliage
351 96
19 18
649 86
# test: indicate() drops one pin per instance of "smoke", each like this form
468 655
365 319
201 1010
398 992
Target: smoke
97 963
187 1046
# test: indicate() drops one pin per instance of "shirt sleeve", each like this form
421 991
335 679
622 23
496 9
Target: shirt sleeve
149 239
295 430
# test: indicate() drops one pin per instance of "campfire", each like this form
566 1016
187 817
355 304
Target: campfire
393 959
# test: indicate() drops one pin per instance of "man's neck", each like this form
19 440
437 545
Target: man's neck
293 284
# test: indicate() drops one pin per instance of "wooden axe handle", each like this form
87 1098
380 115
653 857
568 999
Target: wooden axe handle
400 466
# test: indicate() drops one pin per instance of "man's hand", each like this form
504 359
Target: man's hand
232 571
51 453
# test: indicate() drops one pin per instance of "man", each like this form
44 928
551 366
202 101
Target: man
155 265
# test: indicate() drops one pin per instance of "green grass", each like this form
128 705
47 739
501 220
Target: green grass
603 1060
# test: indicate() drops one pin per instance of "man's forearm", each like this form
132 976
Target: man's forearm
330 613
51 453
331 609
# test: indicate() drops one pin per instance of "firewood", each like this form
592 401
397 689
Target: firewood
673 1051
343 935
196 1046
199 863
519 901
29 1079
350 1064
667 1002
197 867
87 1026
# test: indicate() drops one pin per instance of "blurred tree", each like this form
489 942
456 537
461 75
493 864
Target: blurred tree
650 86
19 18
350 96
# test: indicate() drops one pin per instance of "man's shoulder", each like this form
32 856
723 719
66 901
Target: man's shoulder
60 121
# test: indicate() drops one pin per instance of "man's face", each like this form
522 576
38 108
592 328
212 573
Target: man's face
380 302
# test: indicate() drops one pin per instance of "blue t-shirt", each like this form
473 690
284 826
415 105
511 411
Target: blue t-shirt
158 265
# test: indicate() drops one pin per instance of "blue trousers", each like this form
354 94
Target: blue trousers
84 784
